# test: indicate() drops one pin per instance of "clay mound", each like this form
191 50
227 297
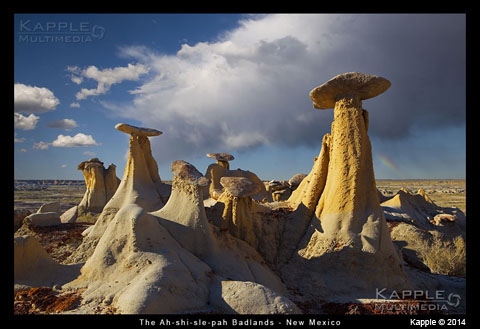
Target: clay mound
184 215
237 297
33 266
137 266
420 210
415 208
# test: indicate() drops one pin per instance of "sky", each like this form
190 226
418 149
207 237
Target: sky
236 83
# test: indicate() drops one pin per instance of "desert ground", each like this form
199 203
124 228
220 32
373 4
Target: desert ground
61 241
444 192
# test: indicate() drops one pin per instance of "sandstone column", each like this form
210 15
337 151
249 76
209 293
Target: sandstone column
140 185
347 242
101 184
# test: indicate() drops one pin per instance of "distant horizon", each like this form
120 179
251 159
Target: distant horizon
169 180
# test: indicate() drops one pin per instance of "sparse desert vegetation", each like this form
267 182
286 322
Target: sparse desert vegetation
446 257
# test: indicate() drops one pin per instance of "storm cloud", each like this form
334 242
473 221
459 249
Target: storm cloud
250 86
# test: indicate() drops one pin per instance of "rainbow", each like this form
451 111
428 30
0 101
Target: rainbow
388 163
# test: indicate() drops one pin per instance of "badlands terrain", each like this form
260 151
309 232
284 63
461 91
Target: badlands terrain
221 241
60 241
28 196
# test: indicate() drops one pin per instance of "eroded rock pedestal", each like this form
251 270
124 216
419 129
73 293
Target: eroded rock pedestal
101 185
346 248
140 185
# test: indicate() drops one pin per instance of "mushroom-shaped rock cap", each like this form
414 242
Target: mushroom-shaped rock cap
363 85
189 173
92 161
129 129
239 186
221 156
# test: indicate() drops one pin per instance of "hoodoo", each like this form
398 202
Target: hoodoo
238 210
140 185
222 158
101 184
216 171
347 232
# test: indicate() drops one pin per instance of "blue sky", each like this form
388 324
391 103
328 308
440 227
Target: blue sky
234 83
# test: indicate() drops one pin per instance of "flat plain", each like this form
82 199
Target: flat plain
444 192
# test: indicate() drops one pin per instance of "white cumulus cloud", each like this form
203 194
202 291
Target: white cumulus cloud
25 122
31 99
77 140
105 78
41 145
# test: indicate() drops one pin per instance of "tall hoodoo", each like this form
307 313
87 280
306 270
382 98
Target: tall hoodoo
347 233
141 178
140 185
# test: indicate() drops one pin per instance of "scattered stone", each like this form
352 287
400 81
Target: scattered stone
69 216
49 207
443 218
281 195
43 219
277 185
237 297
296 180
